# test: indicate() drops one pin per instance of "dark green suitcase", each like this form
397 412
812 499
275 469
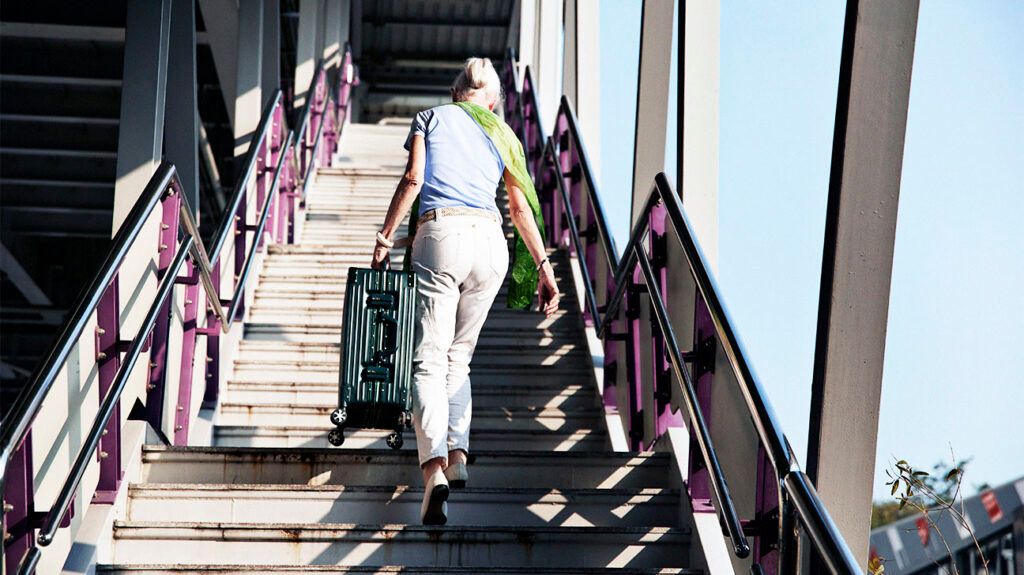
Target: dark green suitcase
375 388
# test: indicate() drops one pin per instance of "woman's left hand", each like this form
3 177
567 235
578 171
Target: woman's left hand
548 290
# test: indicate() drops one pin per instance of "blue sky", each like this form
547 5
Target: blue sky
956 317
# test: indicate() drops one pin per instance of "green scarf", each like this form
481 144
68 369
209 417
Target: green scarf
523 284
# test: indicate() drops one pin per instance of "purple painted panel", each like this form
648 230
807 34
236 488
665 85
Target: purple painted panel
18 494
663 379
700 482
634 369
188 348
168 240
766 515
108 359
212 344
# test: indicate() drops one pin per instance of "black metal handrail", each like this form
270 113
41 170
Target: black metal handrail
794 486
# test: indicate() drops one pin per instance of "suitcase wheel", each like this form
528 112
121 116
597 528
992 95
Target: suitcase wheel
395 440
336 437
338 417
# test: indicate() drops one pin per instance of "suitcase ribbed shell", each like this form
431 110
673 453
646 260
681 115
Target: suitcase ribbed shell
375 386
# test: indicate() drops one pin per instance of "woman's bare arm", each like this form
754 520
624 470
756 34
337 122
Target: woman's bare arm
405 194
522 216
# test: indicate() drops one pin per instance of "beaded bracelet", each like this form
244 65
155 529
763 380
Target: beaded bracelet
384 241
541 264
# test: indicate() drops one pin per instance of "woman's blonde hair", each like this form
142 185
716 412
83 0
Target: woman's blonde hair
477 76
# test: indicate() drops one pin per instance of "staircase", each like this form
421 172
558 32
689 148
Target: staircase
546 493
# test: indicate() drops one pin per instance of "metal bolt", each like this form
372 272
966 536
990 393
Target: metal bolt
209 359
163 247
104 432
101 355
152 365
164 226
188 302
100 330
237 218
8 537
104 455
8 507
180 408
151 387
238 232
178 428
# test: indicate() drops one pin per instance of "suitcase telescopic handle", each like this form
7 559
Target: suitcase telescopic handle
389 329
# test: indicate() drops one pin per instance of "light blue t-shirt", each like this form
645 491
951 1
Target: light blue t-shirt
463 167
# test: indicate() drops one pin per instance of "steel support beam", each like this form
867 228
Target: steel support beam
248 102
182 112
143 91
270 77
860 230
332 33
525 15
652 98
697 154
221 19
581 72
547 65
307 49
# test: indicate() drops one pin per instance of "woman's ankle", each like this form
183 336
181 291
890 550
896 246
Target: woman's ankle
432 466
457 456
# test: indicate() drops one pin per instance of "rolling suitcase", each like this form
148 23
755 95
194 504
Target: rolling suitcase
375 387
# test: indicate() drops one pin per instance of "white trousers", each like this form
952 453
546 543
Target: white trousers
460 262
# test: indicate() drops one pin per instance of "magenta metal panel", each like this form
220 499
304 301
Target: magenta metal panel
168 239
108 360
663 378
188 347
634 368
700 483
766 516
18 496
212 345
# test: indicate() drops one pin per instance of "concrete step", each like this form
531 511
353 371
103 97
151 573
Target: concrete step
347 543
480 438
222 569
401 504
258 369
327 334
500 319
494 469
568 397
316 415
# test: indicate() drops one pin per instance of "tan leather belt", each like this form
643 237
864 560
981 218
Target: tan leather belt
457 211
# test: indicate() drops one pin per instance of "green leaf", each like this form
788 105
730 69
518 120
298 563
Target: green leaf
902 504
953 473
895 486
901 462
920 473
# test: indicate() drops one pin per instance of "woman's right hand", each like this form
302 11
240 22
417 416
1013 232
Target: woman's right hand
547 290
381 257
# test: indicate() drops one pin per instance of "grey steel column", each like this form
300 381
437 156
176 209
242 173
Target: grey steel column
860 229
182 120
221 19
141 132
581 72
697 155
306 53
249 98
345 26
547 65
270 78
652 98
